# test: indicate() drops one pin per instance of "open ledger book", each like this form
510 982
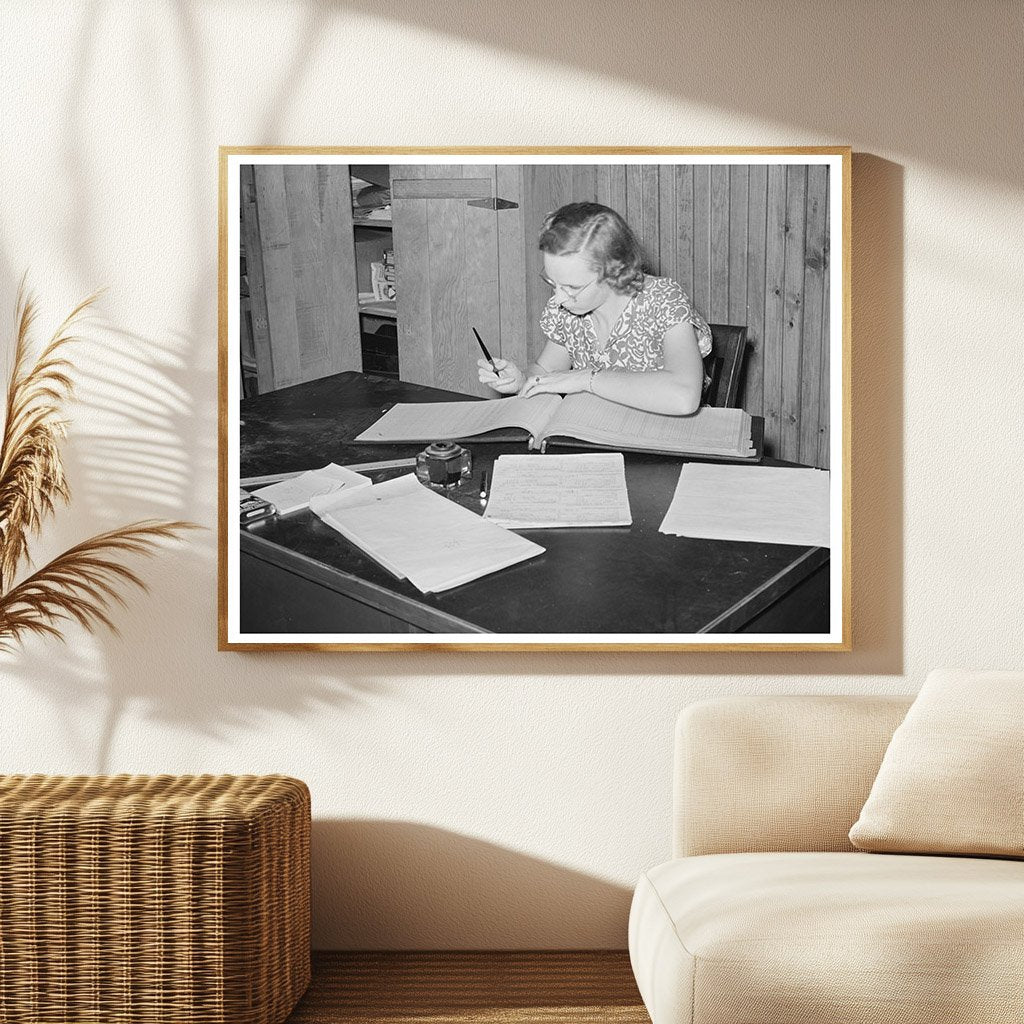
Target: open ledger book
580 420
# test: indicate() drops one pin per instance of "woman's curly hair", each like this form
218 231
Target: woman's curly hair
600 235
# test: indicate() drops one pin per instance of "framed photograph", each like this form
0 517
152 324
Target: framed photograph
555 399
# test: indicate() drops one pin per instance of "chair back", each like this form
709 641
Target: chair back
724 365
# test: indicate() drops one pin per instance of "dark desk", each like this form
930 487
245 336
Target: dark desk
299 576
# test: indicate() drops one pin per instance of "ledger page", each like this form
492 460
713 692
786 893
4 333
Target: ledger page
709 430
552 491
448 421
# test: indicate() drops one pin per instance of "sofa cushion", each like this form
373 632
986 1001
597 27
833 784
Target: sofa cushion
784 938
786 772
950 780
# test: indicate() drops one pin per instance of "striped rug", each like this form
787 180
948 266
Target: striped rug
466 988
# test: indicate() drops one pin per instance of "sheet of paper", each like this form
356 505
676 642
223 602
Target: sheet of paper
769 504
420 535
296 493
441 421
547 491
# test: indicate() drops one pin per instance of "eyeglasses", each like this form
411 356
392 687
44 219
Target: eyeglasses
569 291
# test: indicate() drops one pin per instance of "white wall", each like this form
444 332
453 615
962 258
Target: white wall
472 800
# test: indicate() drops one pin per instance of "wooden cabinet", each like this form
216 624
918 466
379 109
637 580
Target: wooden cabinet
460 254
297 232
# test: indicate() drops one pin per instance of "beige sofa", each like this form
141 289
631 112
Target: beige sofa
768 915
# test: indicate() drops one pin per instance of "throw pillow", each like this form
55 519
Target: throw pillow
951 779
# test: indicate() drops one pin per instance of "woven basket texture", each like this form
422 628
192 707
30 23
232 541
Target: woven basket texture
134 899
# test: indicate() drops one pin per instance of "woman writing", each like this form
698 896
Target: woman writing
611 329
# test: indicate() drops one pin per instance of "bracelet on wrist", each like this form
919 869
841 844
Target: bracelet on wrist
594 371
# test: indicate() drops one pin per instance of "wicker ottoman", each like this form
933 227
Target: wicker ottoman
172 899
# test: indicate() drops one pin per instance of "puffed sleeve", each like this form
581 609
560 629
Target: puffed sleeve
550 323
676 308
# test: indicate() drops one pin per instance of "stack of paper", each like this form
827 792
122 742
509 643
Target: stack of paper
418 535
770 504
297 492
544 491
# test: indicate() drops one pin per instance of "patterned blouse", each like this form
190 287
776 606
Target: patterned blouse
636 341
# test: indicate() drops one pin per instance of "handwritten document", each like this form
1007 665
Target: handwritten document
421 536
547 491
770 504
295 493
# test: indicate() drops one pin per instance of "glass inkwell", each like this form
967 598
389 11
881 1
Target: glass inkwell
443 465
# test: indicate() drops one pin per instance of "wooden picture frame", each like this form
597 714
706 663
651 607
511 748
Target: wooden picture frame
312 351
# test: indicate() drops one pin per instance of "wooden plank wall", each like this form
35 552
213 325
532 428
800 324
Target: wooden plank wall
257 287
297 221
748 244
459 266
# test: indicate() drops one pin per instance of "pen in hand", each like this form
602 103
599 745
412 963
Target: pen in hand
487 355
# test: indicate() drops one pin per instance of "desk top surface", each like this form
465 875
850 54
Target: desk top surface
593 580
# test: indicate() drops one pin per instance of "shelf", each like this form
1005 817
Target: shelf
387 308
365 222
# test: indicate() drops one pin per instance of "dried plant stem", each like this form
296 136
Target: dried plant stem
32 476
82 583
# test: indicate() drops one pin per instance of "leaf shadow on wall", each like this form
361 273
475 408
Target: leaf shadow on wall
404 885
899 79
137 454
146 442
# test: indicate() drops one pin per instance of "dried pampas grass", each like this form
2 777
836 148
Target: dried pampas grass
82 584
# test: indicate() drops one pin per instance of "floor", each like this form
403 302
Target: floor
465 988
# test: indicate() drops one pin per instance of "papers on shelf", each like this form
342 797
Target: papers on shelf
421 536
295 493
769 504
545 491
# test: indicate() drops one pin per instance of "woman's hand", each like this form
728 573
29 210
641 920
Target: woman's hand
566 383
507 381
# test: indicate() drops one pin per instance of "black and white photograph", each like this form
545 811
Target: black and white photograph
575 400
